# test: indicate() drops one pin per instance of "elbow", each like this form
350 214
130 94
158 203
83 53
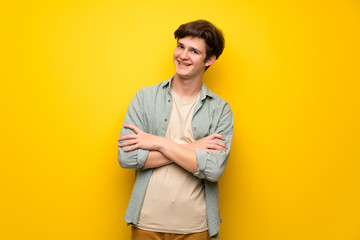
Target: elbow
210 166
124 160
123 164
214 176
132 160
211 176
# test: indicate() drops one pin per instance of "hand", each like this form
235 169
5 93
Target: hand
141 140
209 143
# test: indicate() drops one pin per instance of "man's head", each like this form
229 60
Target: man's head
212 36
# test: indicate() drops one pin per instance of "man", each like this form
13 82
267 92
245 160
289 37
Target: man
178 134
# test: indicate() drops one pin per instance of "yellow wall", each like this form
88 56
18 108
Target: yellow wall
290 70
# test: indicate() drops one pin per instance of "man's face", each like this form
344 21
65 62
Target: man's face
189 56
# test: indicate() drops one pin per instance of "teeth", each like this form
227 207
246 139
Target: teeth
184 64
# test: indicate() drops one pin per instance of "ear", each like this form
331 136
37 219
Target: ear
210 61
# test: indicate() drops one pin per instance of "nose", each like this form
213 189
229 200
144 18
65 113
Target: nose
184 54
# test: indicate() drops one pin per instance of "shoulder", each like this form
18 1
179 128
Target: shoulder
153 89
215 100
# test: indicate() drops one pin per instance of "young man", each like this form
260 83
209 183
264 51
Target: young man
178 134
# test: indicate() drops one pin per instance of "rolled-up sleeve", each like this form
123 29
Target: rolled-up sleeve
134 159
212 165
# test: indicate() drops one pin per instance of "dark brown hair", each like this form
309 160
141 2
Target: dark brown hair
213 36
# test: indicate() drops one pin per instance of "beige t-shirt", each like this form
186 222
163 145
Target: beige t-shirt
175 200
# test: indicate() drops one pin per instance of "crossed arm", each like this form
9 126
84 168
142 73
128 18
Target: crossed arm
163 151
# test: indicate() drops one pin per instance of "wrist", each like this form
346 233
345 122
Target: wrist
189 146
161 144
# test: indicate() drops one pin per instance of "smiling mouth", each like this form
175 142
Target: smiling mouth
183 64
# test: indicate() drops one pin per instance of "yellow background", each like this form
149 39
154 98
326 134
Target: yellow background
290 71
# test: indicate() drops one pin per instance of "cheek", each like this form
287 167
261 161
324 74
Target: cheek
174 58
199 61
176 53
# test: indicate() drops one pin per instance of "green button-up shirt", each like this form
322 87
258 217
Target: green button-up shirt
150 110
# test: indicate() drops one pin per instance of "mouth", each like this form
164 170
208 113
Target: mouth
183 64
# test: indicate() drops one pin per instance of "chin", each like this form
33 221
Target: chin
181 72
183 76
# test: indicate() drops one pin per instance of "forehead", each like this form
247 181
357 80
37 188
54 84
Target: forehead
193 42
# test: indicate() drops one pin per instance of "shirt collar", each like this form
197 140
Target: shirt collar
205 91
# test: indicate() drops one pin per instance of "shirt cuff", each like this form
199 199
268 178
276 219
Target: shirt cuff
142 156
201 162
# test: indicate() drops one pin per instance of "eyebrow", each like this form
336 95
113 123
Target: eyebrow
195 49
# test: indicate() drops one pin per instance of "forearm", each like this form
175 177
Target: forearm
182 156
179 154
156 159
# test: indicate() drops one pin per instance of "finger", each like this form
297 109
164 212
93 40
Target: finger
133 147
212 146
212 150
215 146
221 144
127 136
133 127
128 143
216 135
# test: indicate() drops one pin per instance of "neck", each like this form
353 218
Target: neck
186 88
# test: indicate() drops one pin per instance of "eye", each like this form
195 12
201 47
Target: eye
180 46
194 51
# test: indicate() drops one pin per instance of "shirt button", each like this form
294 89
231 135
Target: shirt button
165 119
169 100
